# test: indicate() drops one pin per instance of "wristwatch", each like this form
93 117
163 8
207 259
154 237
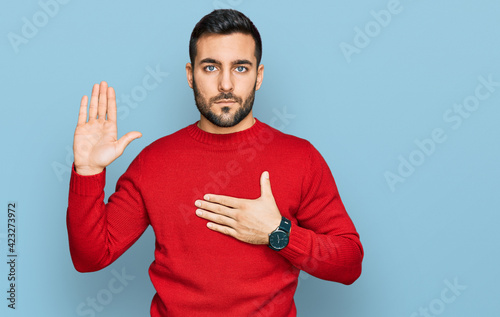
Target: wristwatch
278 239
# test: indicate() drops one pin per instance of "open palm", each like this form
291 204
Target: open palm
95 144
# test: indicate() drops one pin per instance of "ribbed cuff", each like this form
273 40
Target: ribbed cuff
298 244
87 185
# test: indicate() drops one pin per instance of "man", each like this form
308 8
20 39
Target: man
226 243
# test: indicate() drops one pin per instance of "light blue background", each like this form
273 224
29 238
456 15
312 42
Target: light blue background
440 224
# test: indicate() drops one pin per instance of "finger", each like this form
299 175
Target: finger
228 201
111 104
94 98
125 140
265 185
222 229
103 100
82 115
215 208
216 218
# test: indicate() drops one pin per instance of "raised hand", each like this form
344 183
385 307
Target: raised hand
248 220
95 144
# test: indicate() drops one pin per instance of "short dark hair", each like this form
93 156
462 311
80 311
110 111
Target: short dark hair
224 21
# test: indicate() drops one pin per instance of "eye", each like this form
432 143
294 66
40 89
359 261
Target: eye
241 69
210 68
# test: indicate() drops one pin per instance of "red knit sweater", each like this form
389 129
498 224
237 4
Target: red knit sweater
199 272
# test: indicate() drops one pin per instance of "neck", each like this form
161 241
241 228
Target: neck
209 127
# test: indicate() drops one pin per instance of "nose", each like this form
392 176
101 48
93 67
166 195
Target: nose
226 81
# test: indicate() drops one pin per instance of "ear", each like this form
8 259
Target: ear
260 76
189 74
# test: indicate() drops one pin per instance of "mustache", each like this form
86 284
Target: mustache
226 96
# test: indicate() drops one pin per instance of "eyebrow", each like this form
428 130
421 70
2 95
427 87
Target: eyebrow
236 62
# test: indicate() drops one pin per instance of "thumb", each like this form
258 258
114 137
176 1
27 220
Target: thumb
265 185
125 140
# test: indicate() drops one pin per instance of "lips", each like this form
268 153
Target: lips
225 101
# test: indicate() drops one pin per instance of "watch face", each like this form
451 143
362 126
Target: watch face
278 239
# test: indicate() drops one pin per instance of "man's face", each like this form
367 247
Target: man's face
225 77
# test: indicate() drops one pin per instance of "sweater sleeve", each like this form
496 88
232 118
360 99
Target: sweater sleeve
324 242
100 232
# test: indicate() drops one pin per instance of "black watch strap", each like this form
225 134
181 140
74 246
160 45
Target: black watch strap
285 225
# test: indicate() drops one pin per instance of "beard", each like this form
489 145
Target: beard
224 120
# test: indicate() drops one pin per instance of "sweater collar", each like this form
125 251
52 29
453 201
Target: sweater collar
228 138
